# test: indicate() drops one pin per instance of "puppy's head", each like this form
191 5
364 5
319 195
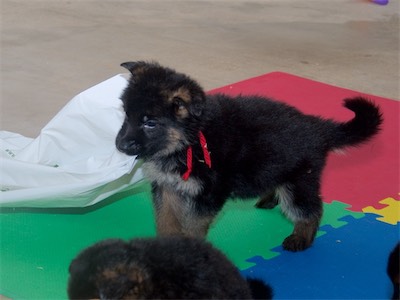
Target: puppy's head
163 111
107 270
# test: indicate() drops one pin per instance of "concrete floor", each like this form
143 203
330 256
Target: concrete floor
52 50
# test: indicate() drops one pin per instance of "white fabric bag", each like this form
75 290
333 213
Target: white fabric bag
74 161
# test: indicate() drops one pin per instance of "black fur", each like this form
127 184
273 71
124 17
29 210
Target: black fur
163 268
393 271
258 147
259 290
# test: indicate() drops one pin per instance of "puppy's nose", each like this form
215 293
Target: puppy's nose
129 147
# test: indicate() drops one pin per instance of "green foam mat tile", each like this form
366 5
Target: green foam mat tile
38 245
241 231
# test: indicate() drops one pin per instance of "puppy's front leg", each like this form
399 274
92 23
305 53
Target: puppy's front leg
165 203
176 214
195 225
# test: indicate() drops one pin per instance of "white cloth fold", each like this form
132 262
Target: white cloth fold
73 162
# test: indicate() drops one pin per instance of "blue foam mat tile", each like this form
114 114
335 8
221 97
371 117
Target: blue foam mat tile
346 263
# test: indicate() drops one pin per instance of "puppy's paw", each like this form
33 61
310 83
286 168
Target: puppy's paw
296 243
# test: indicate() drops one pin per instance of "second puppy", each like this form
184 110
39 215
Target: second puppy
162 268
198 150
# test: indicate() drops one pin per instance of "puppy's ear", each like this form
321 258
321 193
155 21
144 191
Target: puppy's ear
135 67
186 103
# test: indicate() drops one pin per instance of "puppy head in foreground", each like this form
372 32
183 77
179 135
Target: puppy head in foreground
162 268
163 107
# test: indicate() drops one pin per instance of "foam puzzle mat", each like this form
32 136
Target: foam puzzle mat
347 261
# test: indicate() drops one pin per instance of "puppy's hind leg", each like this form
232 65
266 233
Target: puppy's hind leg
303 235
303 206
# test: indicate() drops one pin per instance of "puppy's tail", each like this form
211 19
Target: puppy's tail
366 123
259 289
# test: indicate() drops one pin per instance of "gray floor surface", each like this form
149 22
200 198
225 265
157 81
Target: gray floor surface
52 50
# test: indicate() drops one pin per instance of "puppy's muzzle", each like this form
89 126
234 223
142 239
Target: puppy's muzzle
130 147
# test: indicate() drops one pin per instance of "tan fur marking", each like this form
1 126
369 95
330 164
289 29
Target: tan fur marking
177 216
138 278
303 235
181 112
174 137
196 226
136 275
306 230
139 70
109 274
181 93
174 141
167 222
114 272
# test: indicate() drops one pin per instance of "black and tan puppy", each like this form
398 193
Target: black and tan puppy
200 149
162 268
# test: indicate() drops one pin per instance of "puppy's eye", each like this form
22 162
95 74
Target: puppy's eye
150 124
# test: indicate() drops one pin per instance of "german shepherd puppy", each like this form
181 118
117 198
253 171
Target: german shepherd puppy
162 268
200 149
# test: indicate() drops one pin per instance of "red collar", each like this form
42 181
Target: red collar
189 156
